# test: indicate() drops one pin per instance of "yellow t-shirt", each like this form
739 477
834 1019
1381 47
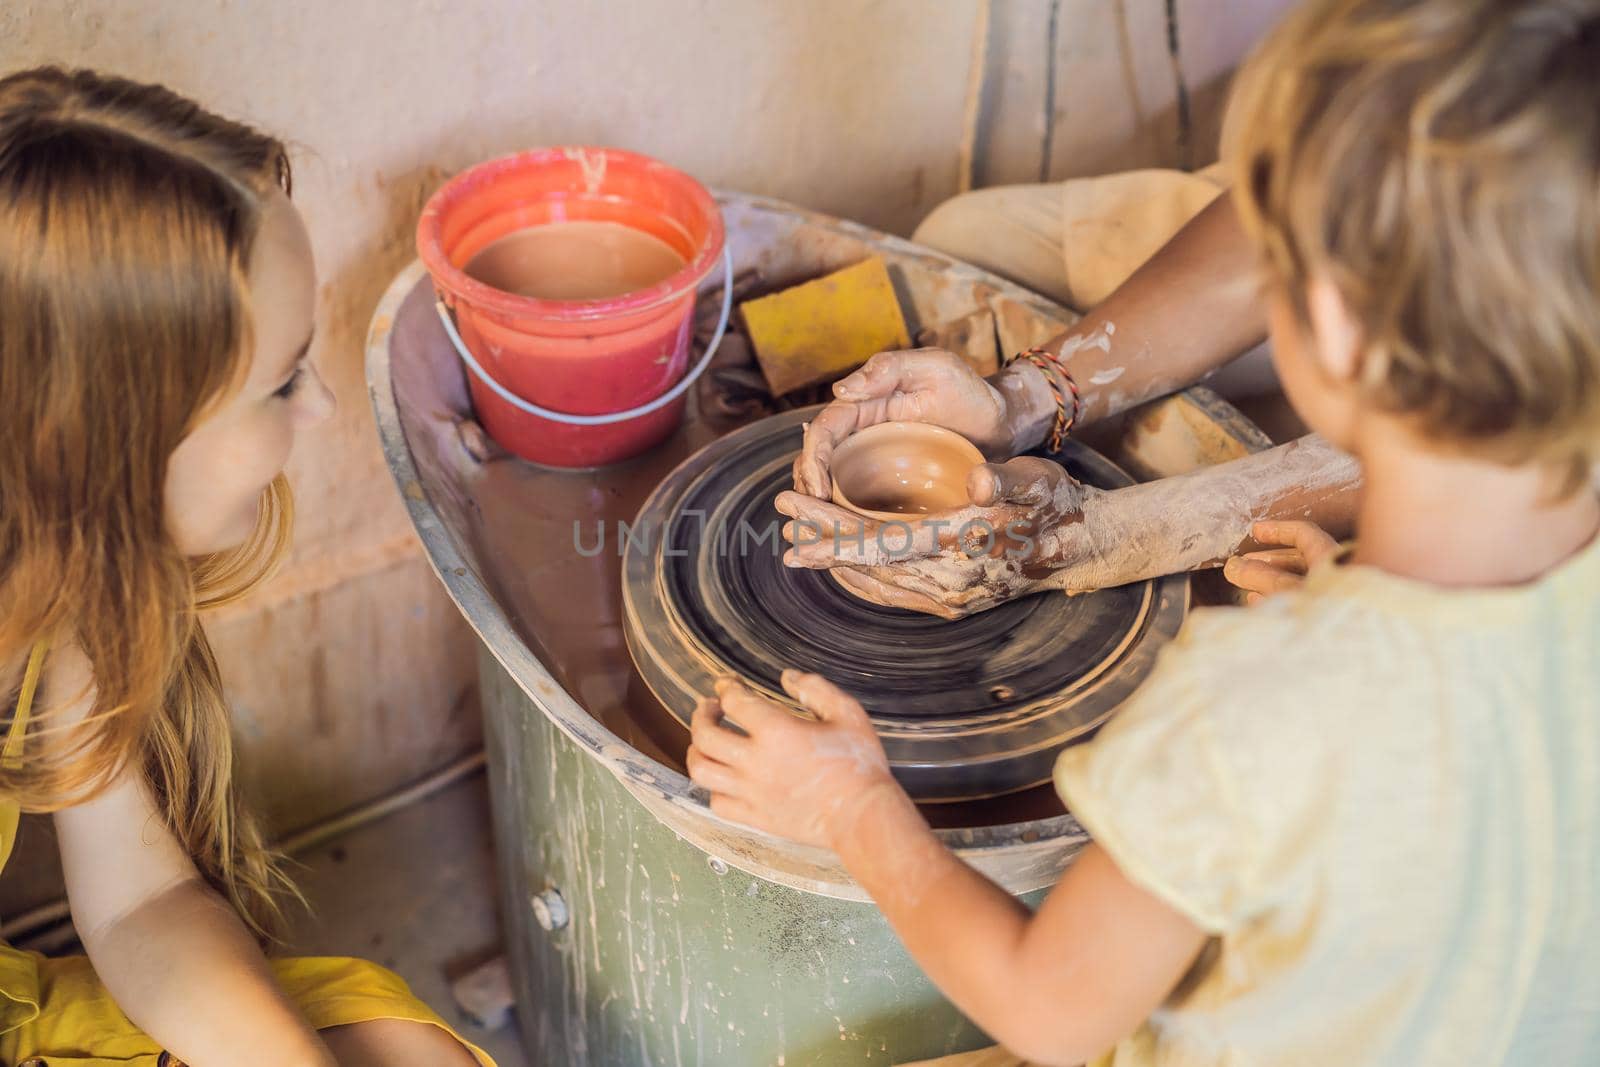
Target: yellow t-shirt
1383 799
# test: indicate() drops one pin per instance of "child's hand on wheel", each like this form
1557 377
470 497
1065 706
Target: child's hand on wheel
1276 570
804 779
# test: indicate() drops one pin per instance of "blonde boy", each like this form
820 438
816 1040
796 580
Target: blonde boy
1360 823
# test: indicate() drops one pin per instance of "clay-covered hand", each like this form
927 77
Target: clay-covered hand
1013 540
1277 570
919 385
804 779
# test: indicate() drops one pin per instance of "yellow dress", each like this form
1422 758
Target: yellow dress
55 1011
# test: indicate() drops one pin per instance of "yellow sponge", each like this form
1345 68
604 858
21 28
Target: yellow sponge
818 331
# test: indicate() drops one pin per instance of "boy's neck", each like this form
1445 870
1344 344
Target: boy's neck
1455 520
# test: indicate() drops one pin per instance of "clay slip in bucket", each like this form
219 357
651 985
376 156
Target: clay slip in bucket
574 383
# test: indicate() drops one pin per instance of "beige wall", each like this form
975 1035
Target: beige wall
351 674
1115 84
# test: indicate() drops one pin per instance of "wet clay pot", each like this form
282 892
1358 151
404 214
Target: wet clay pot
899 469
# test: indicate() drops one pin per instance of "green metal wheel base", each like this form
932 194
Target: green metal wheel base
660 954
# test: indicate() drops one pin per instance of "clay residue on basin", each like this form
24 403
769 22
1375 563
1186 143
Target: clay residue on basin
549 540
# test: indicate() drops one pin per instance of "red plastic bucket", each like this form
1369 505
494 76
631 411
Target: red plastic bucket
556 381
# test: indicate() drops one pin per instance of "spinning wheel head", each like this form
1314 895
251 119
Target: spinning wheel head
965 709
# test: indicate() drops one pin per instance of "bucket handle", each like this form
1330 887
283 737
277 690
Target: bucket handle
611 416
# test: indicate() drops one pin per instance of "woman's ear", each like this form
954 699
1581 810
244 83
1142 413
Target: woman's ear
1336 340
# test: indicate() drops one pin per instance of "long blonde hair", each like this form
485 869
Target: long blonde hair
127 219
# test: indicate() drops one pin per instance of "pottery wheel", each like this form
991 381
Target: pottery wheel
968 708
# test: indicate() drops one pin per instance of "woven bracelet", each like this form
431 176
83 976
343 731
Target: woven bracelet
1047 361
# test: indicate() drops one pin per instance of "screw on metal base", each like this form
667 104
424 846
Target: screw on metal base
550 909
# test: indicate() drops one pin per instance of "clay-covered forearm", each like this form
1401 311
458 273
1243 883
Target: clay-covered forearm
1199 519
1188 310
186 971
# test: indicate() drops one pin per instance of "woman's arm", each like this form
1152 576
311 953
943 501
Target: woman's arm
173 954
1072 537
1194 306
1191 308
1200 519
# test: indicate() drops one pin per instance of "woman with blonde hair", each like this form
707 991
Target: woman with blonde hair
156 301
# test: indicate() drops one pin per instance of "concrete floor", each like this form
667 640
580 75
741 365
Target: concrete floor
414 891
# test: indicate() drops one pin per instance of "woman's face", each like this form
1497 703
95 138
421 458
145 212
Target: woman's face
216 475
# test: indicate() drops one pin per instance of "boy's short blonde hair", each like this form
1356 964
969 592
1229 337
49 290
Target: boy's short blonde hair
1439 162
